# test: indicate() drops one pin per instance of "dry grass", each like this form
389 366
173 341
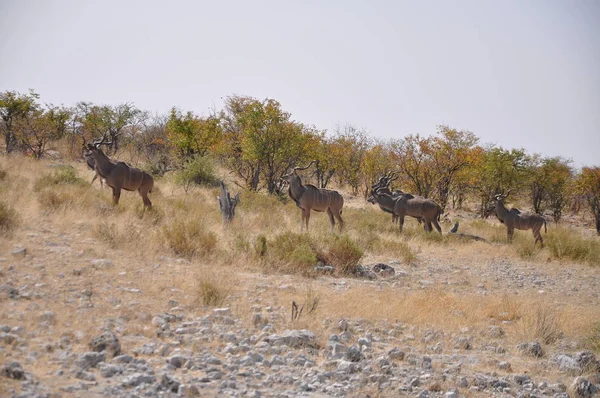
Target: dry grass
265 236
9 219
540 322
212 291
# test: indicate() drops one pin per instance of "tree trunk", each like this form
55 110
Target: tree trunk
227 204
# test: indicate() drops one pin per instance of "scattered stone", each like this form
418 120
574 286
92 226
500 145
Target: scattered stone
353 354
533 349
383 270
136 379
583 388
102 263
293 339
90 359
396 354
108 342
8 292
13 370
324 269
18 251
496 332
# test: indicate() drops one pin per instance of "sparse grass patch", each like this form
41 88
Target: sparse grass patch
189 238
64 175
539 321
9 218
592 338
396 248
3 174
525 247
212 291
51 199
569 244
505 309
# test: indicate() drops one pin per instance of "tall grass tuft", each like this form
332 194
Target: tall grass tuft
542 322
189 238
9 219
568 244
212 291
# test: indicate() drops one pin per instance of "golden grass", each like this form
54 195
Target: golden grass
265 235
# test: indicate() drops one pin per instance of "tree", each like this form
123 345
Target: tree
348 147
41 126
261 142
415 163
588 184
14 106
497 171
191 135
549 184
451 152
105 120
376 162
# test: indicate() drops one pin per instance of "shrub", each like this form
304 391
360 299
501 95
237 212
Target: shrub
343 253
569 244
9 218
294 252
189 238
199 171
64 175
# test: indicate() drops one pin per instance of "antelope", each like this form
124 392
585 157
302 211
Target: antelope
515 219
308 197
406 204
119 175
92 165
383 186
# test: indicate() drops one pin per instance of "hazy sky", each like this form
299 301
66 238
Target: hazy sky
518 73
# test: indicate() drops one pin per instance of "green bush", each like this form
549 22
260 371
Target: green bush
9 218
64 175
199 171
294 252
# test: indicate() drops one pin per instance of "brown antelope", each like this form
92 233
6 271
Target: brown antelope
308 197
406 204
92 165
515 219
382 186
119 175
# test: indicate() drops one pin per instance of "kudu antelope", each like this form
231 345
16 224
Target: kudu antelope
382 186
92 165
308 197
406 204
515 219
119 175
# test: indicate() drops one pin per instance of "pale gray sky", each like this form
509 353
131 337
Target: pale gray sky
518 73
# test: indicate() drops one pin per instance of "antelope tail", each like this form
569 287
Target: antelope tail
545 229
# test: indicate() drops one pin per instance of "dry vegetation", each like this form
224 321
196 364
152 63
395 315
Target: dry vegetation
180 251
